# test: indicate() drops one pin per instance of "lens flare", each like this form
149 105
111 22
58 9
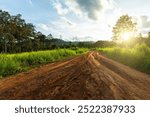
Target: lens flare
126 35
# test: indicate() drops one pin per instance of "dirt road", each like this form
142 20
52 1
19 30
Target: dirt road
89 76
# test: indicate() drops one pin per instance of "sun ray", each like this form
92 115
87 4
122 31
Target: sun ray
126 35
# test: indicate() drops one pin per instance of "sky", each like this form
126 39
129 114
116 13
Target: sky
79 20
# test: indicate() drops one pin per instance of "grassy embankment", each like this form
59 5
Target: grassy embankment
14 63
137 57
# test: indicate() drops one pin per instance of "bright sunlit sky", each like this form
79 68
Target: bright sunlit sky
84 20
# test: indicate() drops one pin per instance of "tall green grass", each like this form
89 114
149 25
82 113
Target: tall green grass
14 63
137 57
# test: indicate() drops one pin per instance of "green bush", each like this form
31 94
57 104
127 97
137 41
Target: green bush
14 63
137 57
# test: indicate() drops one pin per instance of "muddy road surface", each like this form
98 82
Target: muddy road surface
89 76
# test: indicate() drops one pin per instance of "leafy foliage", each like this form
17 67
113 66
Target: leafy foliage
124 24
18 36
137 57
14 63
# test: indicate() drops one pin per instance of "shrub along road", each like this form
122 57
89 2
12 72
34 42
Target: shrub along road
89 76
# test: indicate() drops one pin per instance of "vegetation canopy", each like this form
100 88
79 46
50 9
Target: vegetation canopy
124 29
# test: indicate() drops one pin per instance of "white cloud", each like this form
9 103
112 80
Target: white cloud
43 27
143 24
67 21
92 19
61 26
89 30
73 7
145 21
93 9
59 7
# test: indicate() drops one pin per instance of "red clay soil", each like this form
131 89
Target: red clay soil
90 76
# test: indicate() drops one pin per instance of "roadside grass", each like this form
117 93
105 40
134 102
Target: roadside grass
14 63
137 57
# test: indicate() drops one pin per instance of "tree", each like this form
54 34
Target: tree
18 36
123 26
49 37
4 30
15 33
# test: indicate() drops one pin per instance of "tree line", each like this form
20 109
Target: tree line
18 36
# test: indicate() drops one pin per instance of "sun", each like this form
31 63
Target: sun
126 36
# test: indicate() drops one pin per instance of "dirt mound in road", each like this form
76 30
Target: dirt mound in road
89 76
